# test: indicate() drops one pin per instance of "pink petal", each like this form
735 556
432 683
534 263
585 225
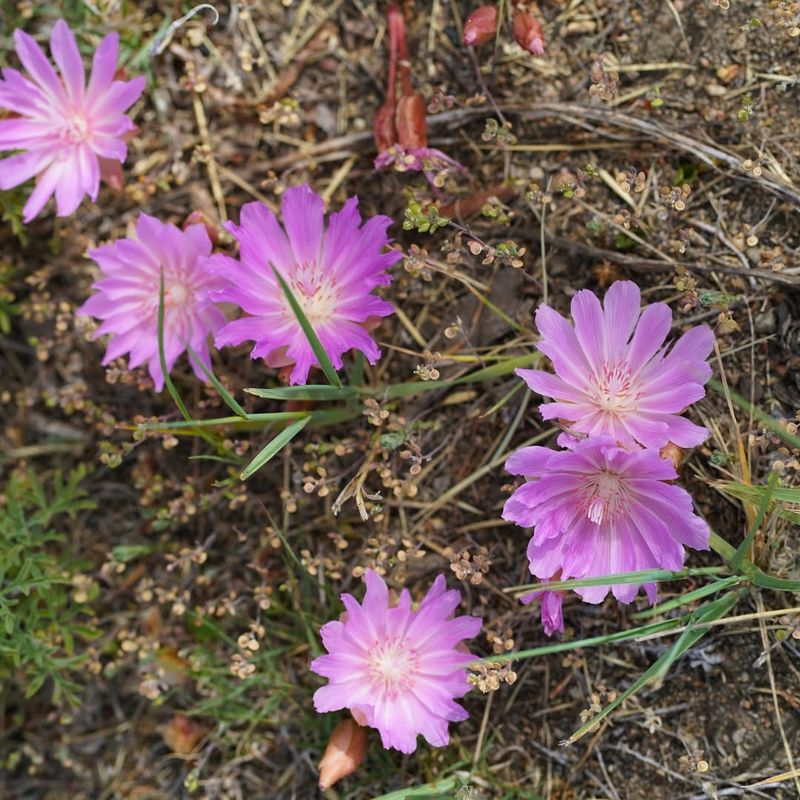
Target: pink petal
40 69
68 58
302 212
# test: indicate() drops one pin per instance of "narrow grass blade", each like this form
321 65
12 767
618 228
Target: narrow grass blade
273 447
689 597
745 547
223 392
752 495
309 392
313 339
715 610
592 641
274 416
641 576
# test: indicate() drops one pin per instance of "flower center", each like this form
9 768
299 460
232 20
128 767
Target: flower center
604 497
76 129
316 292
392 664
614 389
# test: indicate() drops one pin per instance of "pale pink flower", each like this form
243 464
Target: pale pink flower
70 132
332 274
398 670
598 509
614 374
127 298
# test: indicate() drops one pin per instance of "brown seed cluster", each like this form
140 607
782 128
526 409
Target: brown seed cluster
469 567
489 676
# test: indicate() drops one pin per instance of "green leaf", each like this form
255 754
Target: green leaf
313 339
273 447
129 552
309 392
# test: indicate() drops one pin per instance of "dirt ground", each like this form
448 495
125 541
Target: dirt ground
593 144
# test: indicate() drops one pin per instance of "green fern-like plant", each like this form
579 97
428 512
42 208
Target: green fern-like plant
41 612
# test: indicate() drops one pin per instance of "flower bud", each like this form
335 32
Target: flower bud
412 130
198 217
345 751
528 32
671 452
481 26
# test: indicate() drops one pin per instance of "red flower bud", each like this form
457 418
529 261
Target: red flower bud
528 32
198 217
345 751
481 26
412 130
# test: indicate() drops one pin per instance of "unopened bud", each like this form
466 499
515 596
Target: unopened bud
528 32
412 130
481 26
344 753
199 218
671 452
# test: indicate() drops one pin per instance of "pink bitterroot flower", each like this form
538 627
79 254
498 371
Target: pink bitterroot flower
127 298
398 670
550 609
614 374
72 134
331 273
598 509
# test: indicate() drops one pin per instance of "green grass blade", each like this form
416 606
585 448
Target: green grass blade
274 416
763 505
592 641
641 576
223 392
689 597
719 608
313 339
273 447
309 392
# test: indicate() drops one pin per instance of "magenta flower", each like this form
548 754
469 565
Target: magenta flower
613 372
550 609
127 297
396 669
331 273
598 509
69 132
